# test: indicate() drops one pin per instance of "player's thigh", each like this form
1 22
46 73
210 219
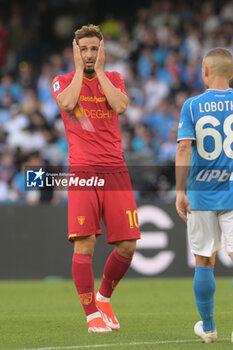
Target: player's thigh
84 213
204 232
120 216
120 210
226 225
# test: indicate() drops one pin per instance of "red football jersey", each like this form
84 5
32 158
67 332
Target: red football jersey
92 128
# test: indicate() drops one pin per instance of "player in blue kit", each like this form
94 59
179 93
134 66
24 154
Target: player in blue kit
204 162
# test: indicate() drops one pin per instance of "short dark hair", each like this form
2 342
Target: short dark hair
88 31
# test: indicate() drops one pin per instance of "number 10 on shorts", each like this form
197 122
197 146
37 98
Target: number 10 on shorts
133 218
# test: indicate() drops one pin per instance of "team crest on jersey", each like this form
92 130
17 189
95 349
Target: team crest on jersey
86 298
100 89
56 86
81 219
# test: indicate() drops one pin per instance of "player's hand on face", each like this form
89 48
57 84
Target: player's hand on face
78 61
99 63
182 206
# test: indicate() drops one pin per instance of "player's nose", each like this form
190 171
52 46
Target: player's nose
89 54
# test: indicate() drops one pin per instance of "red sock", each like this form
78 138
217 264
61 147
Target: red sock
115 268
84 281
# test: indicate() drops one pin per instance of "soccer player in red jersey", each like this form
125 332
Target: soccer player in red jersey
90 101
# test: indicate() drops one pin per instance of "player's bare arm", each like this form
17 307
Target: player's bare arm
67 100
183 158
117 100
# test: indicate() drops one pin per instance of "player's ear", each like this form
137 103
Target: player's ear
205 71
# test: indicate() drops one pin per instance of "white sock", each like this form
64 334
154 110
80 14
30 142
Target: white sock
100 297
92 316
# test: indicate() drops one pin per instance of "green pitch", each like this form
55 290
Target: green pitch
154 314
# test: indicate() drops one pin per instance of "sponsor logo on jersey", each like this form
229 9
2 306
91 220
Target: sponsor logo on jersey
214 174
92 99
93 113
79 112
56 86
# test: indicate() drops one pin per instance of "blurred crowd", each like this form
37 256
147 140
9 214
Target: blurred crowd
159 55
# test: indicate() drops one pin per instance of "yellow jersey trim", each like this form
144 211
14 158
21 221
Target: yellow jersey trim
90 79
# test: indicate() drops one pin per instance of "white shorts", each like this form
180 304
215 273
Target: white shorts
205 229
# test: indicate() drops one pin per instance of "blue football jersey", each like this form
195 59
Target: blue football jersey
207 119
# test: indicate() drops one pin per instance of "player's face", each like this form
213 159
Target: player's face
89 49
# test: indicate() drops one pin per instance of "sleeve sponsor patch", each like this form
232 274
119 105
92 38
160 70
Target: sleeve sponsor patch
56 86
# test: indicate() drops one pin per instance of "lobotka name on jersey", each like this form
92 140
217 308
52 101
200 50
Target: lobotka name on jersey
214 106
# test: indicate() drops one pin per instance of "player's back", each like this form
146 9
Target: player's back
212 114
208 119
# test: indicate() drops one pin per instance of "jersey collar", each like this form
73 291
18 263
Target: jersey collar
90 79
219 90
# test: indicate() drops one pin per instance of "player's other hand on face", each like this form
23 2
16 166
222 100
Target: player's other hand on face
99 63
78 61
182 205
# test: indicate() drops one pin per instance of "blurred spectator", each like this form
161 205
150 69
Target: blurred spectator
167 150
7 167
161 120
11 87
110 27
155 91
16 122
21 38
4 42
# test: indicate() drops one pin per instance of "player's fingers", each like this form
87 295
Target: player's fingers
75 46
181 213
101 49
183 217
188 209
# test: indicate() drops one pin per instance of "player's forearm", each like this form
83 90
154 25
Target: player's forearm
183 159
117 100
68 99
